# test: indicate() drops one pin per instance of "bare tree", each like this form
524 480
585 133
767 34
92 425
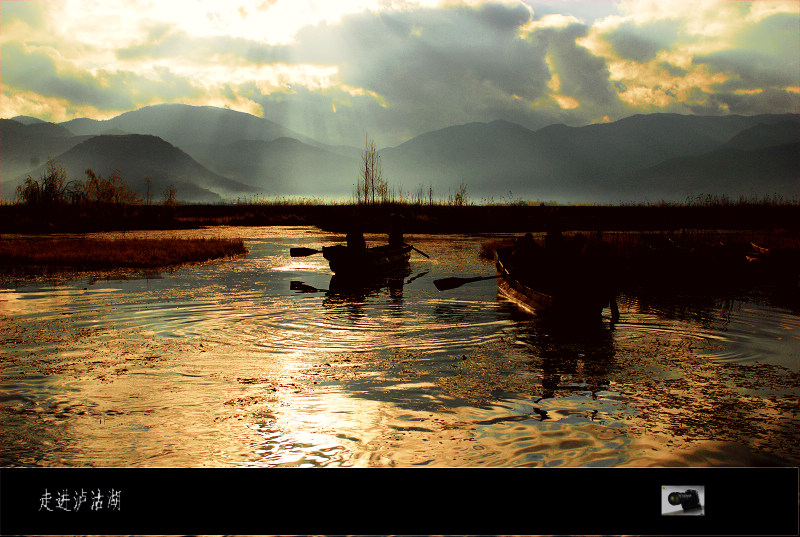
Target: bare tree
370 181
170 194
52 188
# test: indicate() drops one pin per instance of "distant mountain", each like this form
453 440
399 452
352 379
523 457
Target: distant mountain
766 135
591 163
505 157
231 143
35 129
27 120
184 125
496 161
753 173
138 156
85 126
284 166
27 146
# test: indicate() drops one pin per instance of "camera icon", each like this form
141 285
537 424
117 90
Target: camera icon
682 500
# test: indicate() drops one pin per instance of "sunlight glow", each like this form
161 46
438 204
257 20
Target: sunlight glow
566 102
51 108
100 58
548 21
555 80
648 84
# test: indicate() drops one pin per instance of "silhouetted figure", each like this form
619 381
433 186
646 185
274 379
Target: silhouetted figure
554 240
396 231
526 258
355 240
556 267
599 267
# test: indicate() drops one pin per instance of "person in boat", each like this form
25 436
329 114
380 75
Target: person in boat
526 258
554 240
396 231
598 269
355 240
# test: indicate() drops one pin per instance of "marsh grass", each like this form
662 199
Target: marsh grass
422 214
91 254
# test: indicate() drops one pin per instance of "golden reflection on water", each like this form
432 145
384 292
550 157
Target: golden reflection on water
261 361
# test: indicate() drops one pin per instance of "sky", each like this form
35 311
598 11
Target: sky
335 70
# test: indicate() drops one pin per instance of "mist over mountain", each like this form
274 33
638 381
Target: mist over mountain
212 153
27 120
766 135
749 173
593 163
25 146
187 126
284 166
137 156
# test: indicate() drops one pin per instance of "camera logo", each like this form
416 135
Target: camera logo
682 500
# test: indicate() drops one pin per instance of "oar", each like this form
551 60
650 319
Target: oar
301 287
452 282
417 250
420 275
303 252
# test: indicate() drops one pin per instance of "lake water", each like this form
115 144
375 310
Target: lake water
263 361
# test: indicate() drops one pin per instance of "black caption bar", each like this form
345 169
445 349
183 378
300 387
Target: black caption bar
521 501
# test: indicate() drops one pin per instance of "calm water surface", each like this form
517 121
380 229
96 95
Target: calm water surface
266 360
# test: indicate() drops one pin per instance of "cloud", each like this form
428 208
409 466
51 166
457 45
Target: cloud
29 13
36 71
433 68
583 76
765 54
423 70
641 43
397 69
697 57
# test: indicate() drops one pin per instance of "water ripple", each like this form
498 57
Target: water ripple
256 361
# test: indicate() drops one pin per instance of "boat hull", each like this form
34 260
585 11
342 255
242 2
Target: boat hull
576 301
368 261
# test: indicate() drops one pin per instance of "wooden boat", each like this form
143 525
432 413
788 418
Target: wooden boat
574 296
344 260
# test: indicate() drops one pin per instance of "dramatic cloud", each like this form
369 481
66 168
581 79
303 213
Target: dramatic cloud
395 69
708 57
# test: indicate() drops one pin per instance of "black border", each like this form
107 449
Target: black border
406 501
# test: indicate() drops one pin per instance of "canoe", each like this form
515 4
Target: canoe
575 298
368 261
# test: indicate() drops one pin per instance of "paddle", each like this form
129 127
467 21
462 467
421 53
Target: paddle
417 250
301 287
420 275
303 252
452 282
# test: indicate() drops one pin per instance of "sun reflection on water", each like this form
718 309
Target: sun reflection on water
264 361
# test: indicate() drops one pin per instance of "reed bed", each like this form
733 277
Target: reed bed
92 254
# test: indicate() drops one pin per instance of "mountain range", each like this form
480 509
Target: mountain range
213 154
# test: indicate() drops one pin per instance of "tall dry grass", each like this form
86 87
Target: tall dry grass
116 253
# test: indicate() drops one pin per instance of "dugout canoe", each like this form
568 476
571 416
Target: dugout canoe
574 298
377 260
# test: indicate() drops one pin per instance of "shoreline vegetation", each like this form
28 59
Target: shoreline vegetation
55 204
521 217
703 235
27 256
